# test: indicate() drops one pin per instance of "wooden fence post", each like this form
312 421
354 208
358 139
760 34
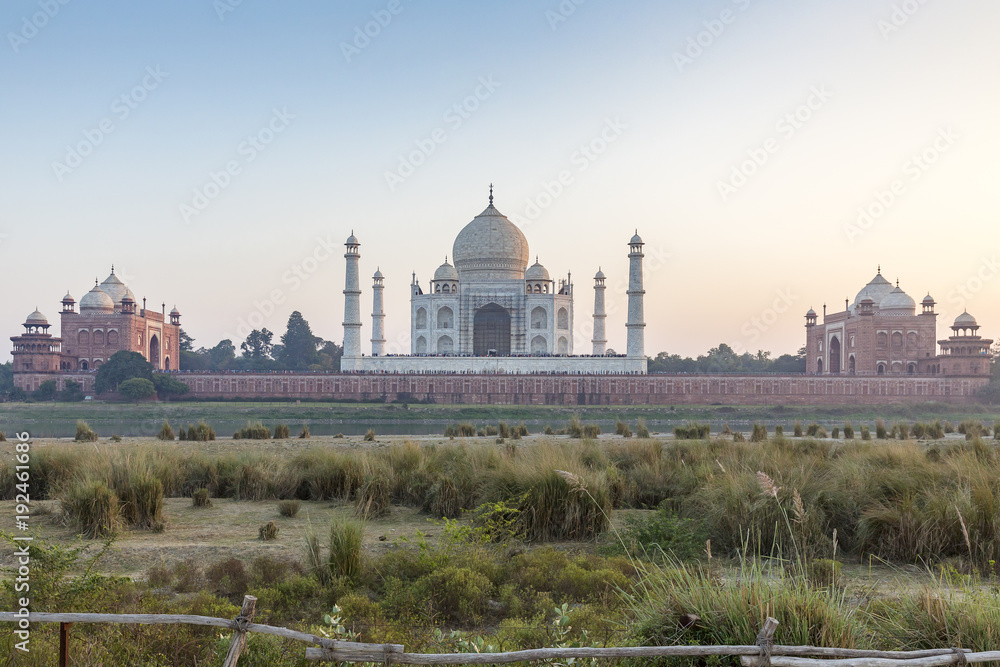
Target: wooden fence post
64 644
239 640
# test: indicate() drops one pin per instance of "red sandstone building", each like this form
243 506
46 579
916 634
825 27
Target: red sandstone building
882 334
108 321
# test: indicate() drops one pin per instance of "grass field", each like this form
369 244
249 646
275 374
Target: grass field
885 543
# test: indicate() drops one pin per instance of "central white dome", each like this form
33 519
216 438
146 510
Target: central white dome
491 247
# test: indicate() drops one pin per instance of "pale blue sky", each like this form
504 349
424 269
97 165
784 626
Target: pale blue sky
670 125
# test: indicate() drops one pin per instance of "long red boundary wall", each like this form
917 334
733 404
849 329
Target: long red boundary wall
567 389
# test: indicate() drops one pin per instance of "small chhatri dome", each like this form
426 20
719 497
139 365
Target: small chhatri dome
446 272
97 299
36 319
599 275
636 239
810 313
378 273
490 247
928 300
965 320
68 298
175 311
536 272
897 300
128 298
114 287
352 239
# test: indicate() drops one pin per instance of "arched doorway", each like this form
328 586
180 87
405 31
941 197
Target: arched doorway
491 331
852 365
154 351
881 369
819 366
166 363
911 369
835 355
84 366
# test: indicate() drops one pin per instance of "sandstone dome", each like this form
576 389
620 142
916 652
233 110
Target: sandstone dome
965 320
36 319
491 247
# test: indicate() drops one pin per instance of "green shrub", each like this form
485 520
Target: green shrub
201 498
522 429
824 572
663 534
812 430
797 429
880 431
456 594
114 438
166 433
548 430
304 433
369 435
591 431
268 531
759 433
919 430
779 431
281 432
641 430
503 430
345 548
574 429
848 431
374 496
141 497
200 433
289 508
622 429
836 432
84 433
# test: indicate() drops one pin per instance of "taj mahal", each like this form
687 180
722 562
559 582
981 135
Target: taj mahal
489 311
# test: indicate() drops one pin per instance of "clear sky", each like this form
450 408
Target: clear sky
219 152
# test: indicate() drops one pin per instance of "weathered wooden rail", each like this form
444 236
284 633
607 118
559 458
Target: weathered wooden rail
763 653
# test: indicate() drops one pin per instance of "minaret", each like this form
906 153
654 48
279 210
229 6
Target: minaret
600 339
352 301
378 316
636 346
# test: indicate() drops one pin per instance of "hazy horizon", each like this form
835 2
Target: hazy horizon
771 154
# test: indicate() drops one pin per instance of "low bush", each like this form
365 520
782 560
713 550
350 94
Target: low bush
345 548
759 433
641 430
94 508
254 430
84 433
304 433
880 431
622 429
797 429
166 433
201 498
289 508
848 431
369 435
281 432
268 531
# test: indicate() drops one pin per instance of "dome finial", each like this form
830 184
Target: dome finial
491 194
879 269
897 282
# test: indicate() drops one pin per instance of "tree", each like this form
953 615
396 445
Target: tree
257 346
122 366
187 343
223 354
328 356
136 389
46 391
72 391
168 386
299 345
6 379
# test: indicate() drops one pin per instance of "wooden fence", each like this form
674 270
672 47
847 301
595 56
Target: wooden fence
762 653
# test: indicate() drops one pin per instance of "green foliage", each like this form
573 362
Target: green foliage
723 359
880 431
692 432
369 435
268 531
200 433
759 433
641 430
46 391
591 431
662 534
779 431
289 508
622 429
281 432
122 366
304 433
797 429
84 433
257 346
848 431
168 387
299 347
866 433
136 389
